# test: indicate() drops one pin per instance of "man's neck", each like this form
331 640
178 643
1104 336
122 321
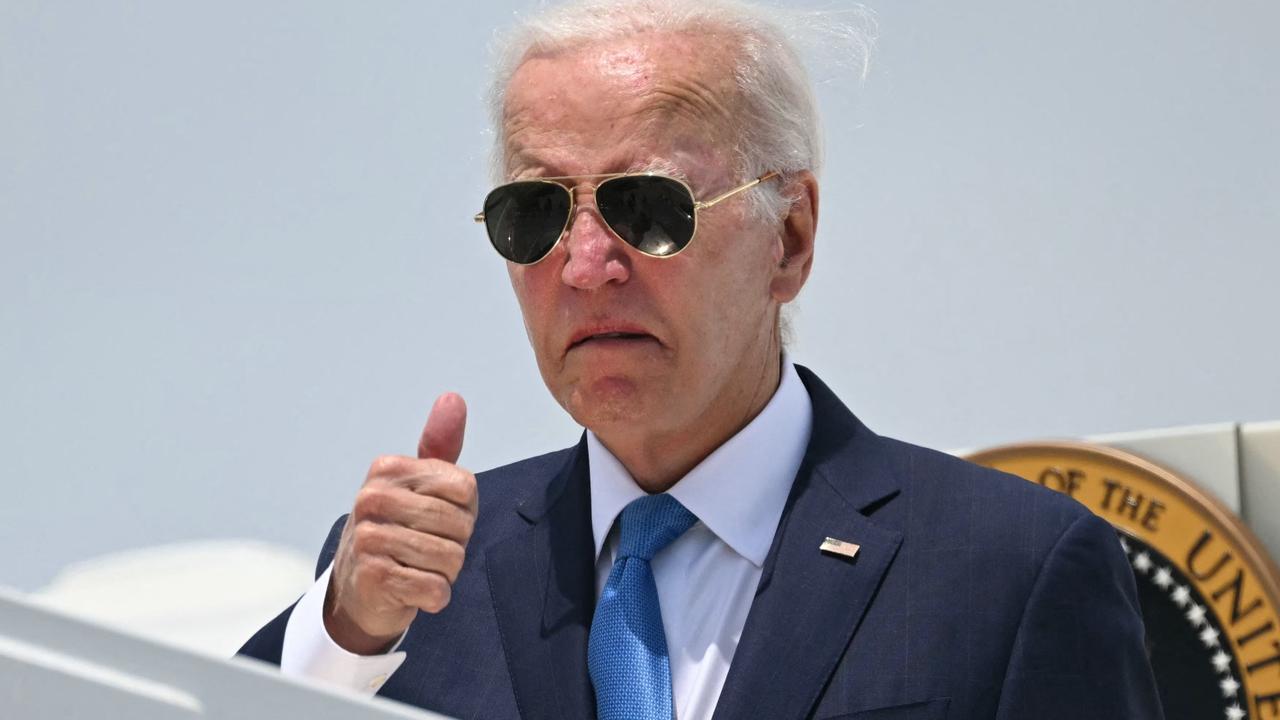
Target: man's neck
657 461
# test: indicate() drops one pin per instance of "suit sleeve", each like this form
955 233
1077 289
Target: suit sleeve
267 643
1080 647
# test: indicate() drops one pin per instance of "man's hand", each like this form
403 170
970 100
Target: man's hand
405 539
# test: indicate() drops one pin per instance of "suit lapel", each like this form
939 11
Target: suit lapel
809 603
543 585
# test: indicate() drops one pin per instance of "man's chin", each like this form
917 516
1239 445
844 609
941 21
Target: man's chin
603 403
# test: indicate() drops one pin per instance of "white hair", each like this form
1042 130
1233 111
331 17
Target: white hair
778 128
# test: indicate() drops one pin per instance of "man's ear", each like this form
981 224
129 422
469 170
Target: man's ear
796 240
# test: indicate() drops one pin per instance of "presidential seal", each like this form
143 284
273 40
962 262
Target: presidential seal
1208 590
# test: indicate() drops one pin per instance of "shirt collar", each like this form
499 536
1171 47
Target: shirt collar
739 490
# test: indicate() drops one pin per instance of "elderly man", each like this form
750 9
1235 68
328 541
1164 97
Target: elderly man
726 539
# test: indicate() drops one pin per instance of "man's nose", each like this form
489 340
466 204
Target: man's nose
595 255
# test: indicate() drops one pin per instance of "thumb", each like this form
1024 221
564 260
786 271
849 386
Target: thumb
442 436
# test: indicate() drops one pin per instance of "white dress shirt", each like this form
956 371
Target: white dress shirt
706 578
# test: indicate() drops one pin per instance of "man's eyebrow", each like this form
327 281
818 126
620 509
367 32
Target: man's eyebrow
520 164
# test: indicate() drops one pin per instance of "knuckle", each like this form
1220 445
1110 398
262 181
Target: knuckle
454 557
457 553
385 465
468 525
435 593
370 501
452 487
366 539
467 490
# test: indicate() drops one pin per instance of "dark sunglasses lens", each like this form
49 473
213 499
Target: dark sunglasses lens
652 214
525 219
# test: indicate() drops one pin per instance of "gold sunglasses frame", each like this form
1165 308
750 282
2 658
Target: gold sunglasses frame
603 178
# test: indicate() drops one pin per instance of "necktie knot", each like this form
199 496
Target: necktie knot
651 523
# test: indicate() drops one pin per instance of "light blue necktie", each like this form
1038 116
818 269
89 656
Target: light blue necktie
627 650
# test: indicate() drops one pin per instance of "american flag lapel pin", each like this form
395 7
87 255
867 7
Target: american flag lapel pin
839 547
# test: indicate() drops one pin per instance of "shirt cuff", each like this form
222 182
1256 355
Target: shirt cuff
310 652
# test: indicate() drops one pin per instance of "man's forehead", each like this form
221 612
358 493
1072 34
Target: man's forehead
615 91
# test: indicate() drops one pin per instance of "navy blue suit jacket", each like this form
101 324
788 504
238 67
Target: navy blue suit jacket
975 595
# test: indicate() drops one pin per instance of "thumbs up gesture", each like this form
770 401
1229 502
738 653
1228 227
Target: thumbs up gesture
405 539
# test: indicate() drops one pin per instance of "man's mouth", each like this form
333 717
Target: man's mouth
613 337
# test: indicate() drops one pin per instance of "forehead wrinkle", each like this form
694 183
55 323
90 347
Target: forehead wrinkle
689 98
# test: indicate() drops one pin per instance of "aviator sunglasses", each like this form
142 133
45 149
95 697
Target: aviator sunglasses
653 213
